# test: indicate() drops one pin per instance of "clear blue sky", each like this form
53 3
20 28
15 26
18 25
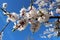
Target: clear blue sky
15 6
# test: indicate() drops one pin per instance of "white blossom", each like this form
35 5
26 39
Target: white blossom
44 17
57 0
32 12
51 29
40 3
40 19
21 24
51 13
35 26
49 36
12 17
4 5
46 32
21 28
43 10
52 5
23 12
48 24
55 33
43 37
57 10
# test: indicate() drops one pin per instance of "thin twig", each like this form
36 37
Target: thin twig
5 27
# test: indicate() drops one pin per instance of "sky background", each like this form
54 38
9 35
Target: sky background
15 6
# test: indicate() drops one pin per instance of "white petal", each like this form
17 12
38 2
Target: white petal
23 9
51 29
20 29
55 33
46 32
40 19
57 10
51 13
43 37
49 36
48 24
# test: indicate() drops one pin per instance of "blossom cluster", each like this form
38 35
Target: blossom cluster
34 16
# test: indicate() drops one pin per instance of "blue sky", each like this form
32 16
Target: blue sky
15 6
